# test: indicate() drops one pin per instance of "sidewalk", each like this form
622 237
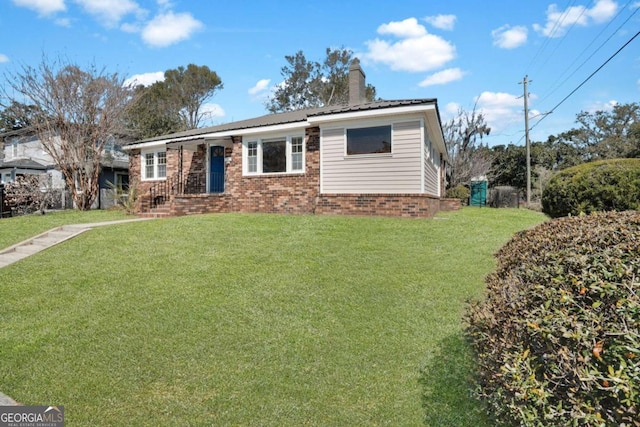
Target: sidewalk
50 238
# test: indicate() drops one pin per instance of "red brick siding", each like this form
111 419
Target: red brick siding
290 193
403 205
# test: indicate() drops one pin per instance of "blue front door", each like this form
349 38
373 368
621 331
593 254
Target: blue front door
216 169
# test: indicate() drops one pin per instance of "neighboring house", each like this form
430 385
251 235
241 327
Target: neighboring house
23 154
377 158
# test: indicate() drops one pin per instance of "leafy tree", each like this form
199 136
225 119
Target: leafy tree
16 116
467 157
555 154
174 104
190 88
309 84
154 112
509 166
77 111
509 163
606 134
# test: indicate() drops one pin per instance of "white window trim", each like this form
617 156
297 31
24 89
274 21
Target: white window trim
259 139
143 164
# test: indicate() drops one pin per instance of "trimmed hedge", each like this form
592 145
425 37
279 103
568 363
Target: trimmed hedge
459 192
606 185
558 337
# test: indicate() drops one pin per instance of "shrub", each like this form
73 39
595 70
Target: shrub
605 185
557 338
459 192
30 193
126 198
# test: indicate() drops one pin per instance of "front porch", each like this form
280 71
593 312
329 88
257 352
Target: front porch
195 182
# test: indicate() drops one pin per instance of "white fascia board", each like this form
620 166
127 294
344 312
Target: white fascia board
261 129
437 136
143 145
222 134
380 112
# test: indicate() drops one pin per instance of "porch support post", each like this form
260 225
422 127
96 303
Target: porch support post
180 174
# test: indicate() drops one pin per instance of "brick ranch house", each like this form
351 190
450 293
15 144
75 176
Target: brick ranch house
365 158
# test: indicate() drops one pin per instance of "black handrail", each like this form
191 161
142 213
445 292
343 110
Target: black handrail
161 191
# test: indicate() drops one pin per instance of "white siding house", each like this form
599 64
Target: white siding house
396 172
410 164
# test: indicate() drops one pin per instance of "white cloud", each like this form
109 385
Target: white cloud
602 11
559 21
109 12
211 113
500 109
443 77
443 22
507 37
451 109
601 106
128 27
63 22
259 87
3 58
43 7
416 51
403 29
145 79
169 28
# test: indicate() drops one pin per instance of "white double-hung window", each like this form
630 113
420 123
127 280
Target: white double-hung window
154 164
273 155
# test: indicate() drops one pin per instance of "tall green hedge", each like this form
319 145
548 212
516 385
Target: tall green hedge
558 336
607 185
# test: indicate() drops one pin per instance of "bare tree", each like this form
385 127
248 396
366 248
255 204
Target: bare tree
77 112
467 157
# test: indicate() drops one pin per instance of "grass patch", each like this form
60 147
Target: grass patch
16 229
253 320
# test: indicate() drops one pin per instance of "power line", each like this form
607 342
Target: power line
584 9
552 33
587 79
557 85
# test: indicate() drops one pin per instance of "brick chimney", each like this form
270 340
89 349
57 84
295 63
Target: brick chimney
357 86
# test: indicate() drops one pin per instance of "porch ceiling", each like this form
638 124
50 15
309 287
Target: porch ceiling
190 145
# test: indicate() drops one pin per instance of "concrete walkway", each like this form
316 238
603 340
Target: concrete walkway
7 401
50 238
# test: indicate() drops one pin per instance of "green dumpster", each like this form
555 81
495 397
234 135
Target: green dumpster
478 193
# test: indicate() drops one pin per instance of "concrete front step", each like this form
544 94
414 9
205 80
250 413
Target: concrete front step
156 213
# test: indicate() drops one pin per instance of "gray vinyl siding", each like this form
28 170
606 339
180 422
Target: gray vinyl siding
398 172
431 167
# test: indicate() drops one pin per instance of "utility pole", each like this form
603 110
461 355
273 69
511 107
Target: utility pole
526 81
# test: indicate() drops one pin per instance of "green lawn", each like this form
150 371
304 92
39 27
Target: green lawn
16 229
247 320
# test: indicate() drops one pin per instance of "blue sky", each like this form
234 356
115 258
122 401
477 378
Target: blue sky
463 53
